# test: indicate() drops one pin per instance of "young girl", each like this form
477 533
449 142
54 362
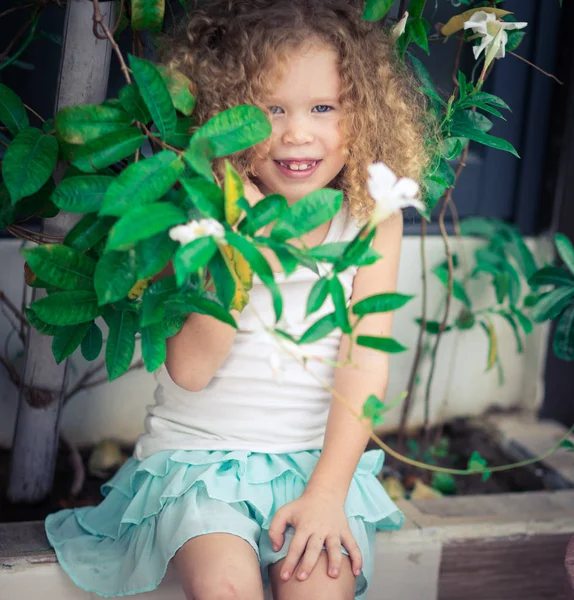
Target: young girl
241 478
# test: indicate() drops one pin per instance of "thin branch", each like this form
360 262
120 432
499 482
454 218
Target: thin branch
16 37
402 9
22 236
35 113
57 238
444 322
19 316
457 57
15 8
99 20
536 67
405 408
119 17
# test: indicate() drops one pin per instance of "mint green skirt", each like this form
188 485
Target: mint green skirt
153 506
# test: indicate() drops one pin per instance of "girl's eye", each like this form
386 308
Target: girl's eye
275 110
323 108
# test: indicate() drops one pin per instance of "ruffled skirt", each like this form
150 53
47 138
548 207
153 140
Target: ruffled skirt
151 508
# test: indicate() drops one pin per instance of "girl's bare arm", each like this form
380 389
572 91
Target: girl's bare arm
197 351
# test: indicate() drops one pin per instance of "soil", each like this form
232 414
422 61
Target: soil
463 437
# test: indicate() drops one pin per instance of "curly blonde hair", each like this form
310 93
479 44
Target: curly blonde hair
234 51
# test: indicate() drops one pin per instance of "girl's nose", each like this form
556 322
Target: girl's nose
297 132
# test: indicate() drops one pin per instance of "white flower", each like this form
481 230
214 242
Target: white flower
399 27
390 193
493 34
184 234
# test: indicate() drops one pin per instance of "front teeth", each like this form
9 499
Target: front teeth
300 167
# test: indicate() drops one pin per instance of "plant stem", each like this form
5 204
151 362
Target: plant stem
98 20
536 67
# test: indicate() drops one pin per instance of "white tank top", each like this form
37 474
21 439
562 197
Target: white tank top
246 406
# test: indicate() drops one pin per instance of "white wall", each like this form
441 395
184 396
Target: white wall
461 387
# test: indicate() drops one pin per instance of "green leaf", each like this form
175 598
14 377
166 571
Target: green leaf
477 464
92 342
552 304
444 483
264 212
153 310
375 10
143 222
12 111
116 273
380 303
383 344
147 14
205 196
465 320
524 321
153 254
199 155
512 322
424 76
317 296
8 212
444 174
416 7
433 327
565 250
460 130
82 194
188 303
501 285
67 308
372 409
37 323
178 86
224 282
260 266
153 346
133 103
66 339
564 335
514 40
307 214
453 147
471 119
417 28
28 162
485 98
181 138
235 129
141 183
458 290
319 329
356 250
61 266
567 444
172 325
121 341
88 231
192 257
339 301
478 226
84 122
549 275
108 150
155 94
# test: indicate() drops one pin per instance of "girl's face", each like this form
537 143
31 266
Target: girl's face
306 143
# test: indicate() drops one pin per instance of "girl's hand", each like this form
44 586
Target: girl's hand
317 520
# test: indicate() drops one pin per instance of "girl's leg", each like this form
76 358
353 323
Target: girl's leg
218 566
318 586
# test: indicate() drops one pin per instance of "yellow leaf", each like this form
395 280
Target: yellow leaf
457 22
139 288
232 191
394 488
244 273
492 346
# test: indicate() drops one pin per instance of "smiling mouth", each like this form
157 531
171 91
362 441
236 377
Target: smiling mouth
298 165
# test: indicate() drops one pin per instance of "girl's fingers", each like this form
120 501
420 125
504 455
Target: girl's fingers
311 556
277 529
335 556
354 552
296 549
